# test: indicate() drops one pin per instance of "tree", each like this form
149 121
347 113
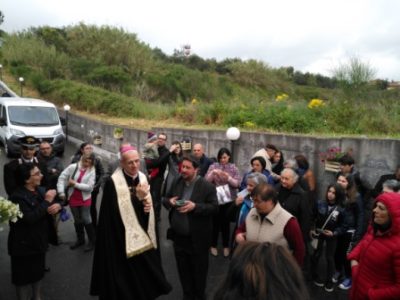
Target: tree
354 74
1 17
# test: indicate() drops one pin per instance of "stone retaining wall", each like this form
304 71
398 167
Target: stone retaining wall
373 157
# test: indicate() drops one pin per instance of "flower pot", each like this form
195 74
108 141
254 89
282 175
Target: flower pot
97 140
118 133
332 166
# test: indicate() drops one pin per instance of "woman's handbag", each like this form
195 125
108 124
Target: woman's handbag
66 186
315 237
223 194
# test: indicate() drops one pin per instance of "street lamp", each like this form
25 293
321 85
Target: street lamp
21 83
67 108
233 134
1 72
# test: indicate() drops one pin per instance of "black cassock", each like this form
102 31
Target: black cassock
114 276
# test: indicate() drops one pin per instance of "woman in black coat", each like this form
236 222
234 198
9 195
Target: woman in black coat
29 236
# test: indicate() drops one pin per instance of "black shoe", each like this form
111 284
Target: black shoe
318 282
329 286
76 245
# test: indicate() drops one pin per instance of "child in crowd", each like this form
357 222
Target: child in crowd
328 226
150 152
354 228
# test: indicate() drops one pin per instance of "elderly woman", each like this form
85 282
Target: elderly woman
243 202
79 178
375 260
225 176
29 236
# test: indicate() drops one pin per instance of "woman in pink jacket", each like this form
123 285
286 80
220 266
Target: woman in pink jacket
375 260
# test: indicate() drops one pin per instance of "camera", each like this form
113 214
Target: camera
180 202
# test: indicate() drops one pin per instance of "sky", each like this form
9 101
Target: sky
310 35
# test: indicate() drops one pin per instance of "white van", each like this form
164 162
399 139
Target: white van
26 116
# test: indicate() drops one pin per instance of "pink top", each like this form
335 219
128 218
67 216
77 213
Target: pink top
76 198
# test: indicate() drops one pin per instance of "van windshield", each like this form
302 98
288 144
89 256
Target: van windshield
33 116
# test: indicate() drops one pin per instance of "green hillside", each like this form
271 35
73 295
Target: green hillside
108 70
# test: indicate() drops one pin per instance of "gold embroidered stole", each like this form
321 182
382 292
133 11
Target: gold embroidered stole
136 239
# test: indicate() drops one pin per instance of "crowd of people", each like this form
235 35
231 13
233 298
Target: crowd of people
281 228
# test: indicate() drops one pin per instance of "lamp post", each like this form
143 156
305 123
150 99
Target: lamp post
1 72
67 108
21 83
233 134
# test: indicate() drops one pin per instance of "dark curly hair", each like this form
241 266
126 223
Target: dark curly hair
262 271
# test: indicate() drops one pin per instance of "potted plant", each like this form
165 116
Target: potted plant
118 133
97 140
331 158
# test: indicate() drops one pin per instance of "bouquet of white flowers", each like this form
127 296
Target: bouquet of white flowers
9 211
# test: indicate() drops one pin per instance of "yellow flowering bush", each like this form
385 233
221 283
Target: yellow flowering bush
281 97
315 103
249 124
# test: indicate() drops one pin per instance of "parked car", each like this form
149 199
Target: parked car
26 116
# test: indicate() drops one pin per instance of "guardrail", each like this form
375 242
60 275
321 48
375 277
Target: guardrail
5 91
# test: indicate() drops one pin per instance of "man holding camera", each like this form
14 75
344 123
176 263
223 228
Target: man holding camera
192 202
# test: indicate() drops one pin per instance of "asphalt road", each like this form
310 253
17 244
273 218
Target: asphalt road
69 277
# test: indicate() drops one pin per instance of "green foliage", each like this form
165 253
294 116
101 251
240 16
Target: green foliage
107 70
51 36
112 78
175 80
109 46
43 85
27 53
97 100
354 74
252 73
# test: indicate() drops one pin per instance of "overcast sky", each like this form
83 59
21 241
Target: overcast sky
310 35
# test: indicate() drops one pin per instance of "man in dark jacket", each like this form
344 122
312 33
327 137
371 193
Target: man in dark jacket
192 202
379 185
28 148
161 163
347 166
204 161
54 167
53 163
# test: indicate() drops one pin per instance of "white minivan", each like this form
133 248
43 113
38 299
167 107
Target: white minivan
26 116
